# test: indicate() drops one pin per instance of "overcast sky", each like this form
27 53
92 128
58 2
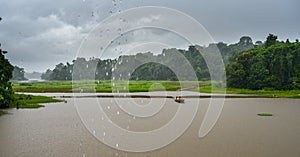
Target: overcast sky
38 34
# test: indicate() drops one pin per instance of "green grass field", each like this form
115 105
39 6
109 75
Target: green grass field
96 86
142 86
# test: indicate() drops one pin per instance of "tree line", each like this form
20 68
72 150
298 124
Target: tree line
147 65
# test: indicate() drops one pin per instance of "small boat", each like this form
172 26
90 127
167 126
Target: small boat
179 99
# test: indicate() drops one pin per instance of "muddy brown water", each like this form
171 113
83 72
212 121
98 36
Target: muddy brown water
57 130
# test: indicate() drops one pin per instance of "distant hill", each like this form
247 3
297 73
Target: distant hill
33 75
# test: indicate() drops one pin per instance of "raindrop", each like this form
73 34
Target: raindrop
108 107
129 74
117 145
133 117
87 66
94 132
83 155
113 69
106 73
118 113
110 12
104 133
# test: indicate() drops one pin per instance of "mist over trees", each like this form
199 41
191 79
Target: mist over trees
18 74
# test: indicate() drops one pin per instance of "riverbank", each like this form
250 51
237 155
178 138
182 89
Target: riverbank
142 86
23 101
268 93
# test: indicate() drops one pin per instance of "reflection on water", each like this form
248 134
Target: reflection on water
57 130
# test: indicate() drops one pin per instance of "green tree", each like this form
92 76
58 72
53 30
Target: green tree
271 40
6 93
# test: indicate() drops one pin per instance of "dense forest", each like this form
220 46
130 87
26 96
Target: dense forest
275 65
271 64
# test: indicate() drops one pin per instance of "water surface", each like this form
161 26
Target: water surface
57 130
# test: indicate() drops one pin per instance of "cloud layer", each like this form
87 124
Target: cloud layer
40 34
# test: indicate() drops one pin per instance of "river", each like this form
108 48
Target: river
58 130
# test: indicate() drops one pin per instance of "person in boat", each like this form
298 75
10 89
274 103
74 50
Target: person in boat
179 99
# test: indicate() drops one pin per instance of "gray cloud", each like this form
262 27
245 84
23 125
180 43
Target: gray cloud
39 34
